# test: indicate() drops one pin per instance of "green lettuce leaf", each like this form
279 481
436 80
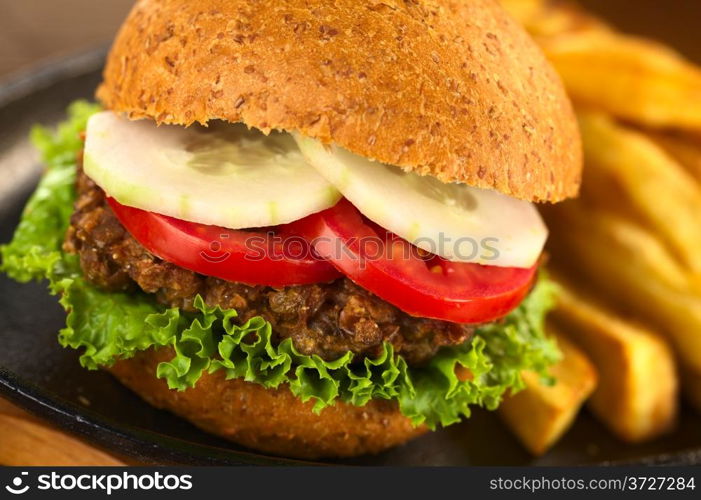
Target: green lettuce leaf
36 245
107 326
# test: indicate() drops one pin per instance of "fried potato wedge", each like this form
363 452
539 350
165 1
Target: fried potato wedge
629 267
634 237
631 78
524 10
547 18
540 414
627 172
684 148
637 394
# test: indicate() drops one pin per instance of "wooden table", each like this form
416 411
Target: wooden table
33 30
26 440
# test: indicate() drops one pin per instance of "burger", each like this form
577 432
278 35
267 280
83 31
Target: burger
308 227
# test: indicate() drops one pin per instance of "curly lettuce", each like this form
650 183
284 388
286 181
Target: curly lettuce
108 326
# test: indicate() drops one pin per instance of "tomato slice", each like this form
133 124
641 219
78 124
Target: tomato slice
273 258
420 284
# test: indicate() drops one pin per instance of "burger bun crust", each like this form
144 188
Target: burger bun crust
273 421
450 88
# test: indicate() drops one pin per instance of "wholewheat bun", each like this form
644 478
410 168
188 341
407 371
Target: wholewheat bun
269 420
450 88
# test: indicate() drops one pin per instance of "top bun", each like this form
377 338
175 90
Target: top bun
450 88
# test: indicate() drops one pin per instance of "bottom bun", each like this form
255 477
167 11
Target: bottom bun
270 420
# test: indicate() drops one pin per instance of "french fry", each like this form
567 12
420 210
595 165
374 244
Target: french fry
684 148
524 10
626 171
593 239
635 234
637 394
631 78
547 18
539 414
629 267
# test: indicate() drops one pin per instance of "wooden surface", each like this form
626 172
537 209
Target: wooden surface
26 440
34 30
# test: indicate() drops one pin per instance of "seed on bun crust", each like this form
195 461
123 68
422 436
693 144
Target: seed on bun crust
452 88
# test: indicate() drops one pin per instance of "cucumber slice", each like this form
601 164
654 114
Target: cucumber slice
458 222
223 175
